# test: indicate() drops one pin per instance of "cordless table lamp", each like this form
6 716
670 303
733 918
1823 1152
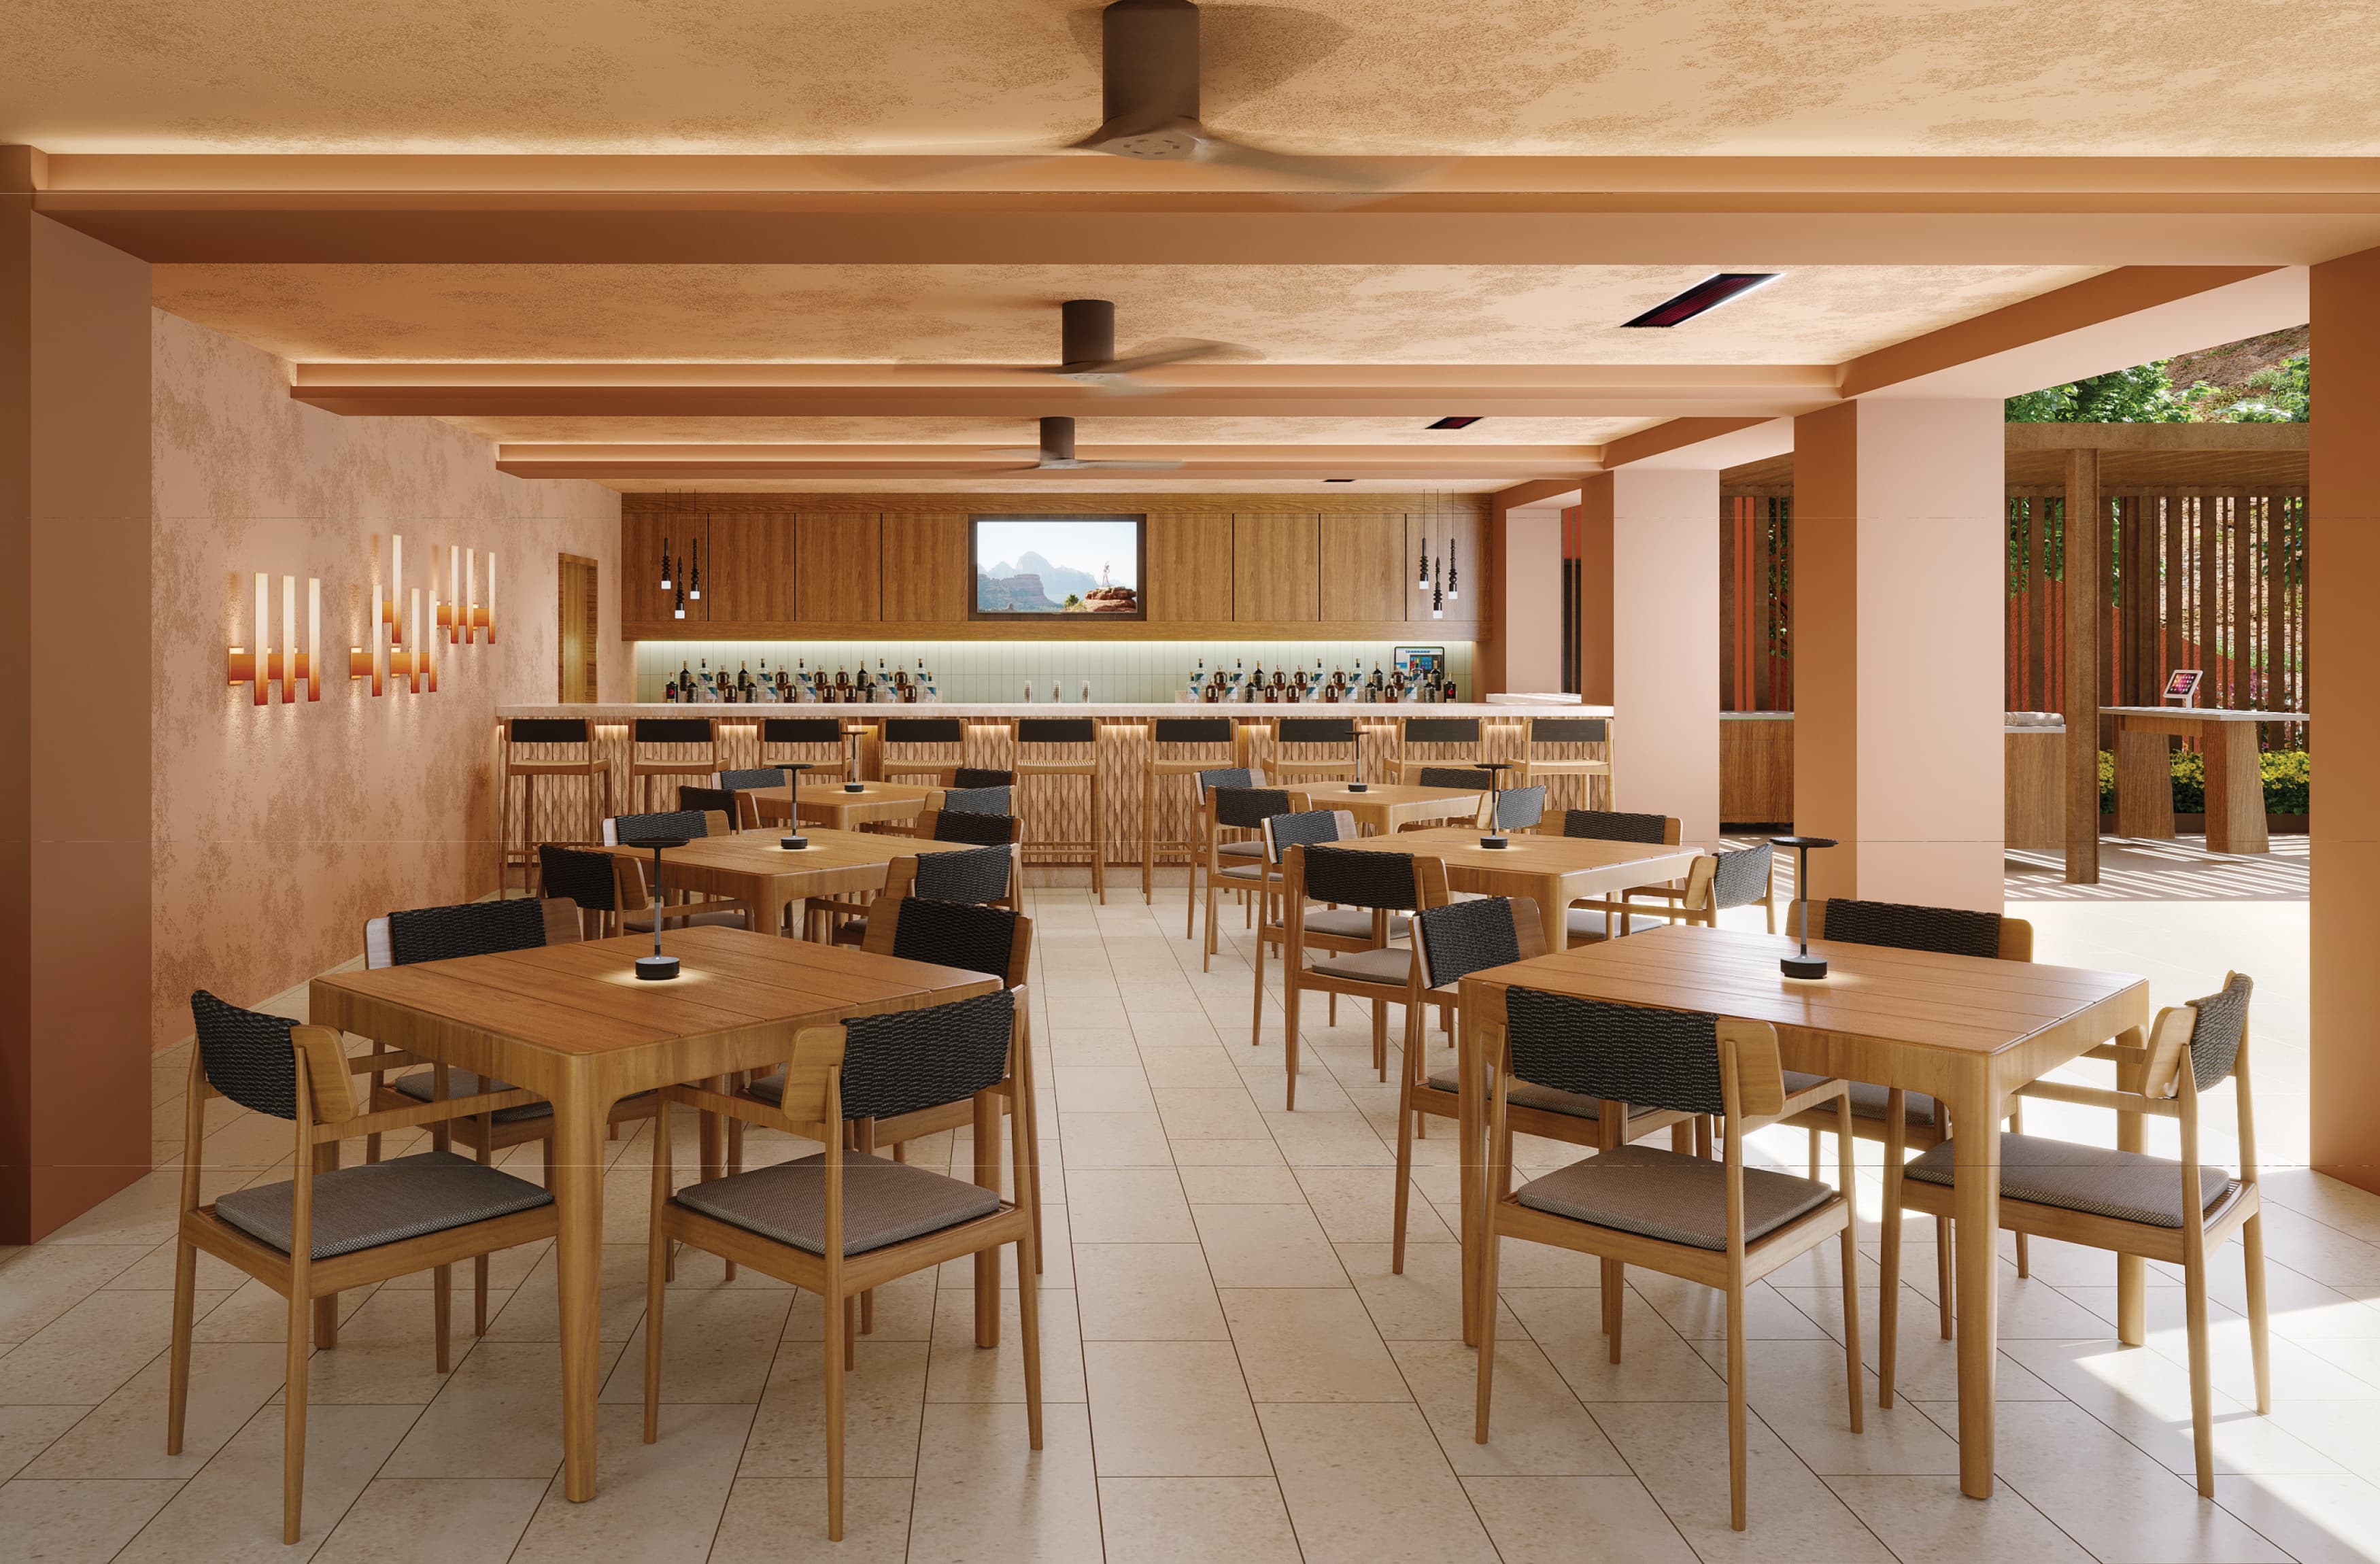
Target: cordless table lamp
1495 770
1803 965
657 967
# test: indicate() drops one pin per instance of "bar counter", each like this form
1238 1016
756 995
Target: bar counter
1053 808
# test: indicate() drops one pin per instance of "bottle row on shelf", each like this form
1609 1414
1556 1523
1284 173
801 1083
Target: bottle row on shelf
800 686
1296 686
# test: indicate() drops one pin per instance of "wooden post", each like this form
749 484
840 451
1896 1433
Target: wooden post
2085 586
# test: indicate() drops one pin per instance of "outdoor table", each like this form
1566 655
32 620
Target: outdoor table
2235 780
573 1023
1965 1030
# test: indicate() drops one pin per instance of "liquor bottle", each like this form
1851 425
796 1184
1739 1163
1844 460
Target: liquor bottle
684 681
669 692
744 681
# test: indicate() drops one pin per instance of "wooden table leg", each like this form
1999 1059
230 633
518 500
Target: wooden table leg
580 1114
1976 1203
2235 790
2144 783
1555 911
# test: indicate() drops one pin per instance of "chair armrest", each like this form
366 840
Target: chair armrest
2099 1097
1801 1102
427 1113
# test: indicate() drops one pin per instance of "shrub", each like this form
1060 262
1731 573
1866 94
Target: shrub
2287 775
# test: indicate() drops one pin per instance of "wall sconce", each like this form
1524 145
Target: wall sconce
262 668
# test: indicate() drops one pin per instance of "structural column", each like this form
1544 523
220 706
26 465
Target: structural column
74 716
1899 576
2343 560
1660 527
1522 645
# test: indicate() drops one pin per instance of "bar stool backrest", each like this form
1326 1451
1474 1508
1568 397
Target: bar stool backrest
1568 729
1315 730
1192 730
924 730
673 729
1457 776
1248 809
1608 825
1352 878
547 730
801 730
1441 730
976 801
1056 729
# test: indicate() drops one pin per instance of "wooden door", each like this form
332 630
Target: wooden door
579 638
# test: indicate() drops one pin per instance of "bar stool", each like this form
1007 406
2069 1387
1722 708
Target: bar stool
819 741
576 731
1567 731
1314 730
1205 731
1031 734
1459 734
937 731
674 735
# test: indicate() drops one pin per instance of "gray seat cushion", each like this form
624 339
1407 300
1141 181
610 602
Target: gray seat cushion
385 1202
1352 923
422 1087
1386 967
1868 1099
1585 923
2131 1186
1666 1195
1529 1094
1239 871
642 922
1250 849
883 1202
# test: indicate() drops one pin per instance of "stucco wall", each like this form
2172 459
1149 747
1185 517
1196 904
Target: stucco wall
280 828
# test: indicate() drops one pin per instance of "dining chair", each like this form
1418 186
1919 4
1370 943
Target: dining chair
978 800
1336 733
328 1230
742 810
1569 734
1176 734
1454 776
474 928
1449 943
1037 743
1514 809
1718 1223
840 1223
602 886
1242 809
688 906
1336 928
1924 1123
753 777
1381 884
663 747
1452 741
911 735
571 733
2177 1212
1740 877
979 876
813 742
1208 847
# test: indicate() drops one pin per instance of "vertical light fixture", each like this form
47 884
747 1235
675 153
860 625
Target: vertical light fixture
289 638
694 591
665 566
313 637
488 617
1451 593
393 606
414 645
264 632
470 596
454 593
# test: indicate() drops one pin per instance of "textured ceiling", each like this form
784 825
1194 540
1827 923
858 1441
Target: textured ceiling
1579 77
1406 433
1009 314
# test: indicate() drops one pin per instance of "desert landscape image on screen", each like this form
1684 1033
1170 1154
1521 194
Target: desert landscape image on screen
1073 565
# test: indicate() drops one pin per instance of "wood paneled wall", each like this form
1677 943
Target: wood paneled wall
845 566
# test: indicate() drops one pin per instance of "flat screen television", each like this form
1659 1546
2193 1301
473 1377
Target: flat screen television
1053 566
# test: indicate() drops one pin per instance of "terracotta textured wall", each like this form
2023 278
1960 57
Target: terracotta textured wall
281 828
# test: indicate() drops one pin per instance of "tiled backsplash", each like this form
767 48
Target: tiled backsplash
999 670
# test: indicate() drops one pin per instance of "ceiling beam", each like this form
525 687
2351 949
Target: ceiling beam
892 463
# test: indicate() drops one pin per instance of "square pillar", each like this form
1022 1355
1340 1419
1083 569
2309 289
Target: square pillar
2343 555
75 824
1899 584
1522 633
1651 538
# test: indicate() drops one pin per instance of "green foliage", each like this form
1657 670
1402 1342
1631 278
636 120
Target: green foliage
2287 775
2282 394
2141 394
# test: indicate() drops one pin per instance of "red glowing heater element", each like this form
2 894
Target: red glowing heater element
1706 295
1455 423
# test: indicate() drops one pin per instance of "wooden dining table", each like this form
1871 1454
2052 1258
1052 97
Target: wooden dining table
1965 1030
1550 870
1383 808
573 1023
836 807
753 867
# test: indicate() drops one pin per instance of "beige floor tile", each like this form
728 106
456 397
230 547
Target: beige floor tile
1128 1206
1190 1067
1240 1185
1172 1409
1178 1029
1927 1366
1680 1451
457 1520
1209 1113
1359 1206
1368 1483
1699 1313
60 1521
1423 1304
2145 1396
659 1502
2103 1492
26 1432
905 1311
961 1371
1146 1292
257 1314
529 1313
783 1521
231 1511
144 1213
1797 1389
1318 1091
1267 1246
1103 1090
716 1345
1538 1427
1092 1050
975 1462
1115 1140
1655 1364
84 1355
45 1281
1197 1520
1928 1521
1228 1154
153 1272
2315 1519
1310 1345
500 1415
882 1394
1558 1520
125 1436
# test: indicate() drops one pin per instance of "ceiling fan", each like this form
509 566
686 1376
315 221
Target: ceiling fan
1087 350
1056 454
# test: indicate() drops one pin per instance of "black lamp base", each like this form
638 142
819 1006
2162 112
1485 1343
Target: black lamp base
793 843
656 969
1495 842
1802 966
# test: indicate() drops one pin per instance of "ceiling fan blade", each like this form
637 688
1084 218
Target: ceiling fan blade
1123 467
1151 357
1015 455
1314 170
